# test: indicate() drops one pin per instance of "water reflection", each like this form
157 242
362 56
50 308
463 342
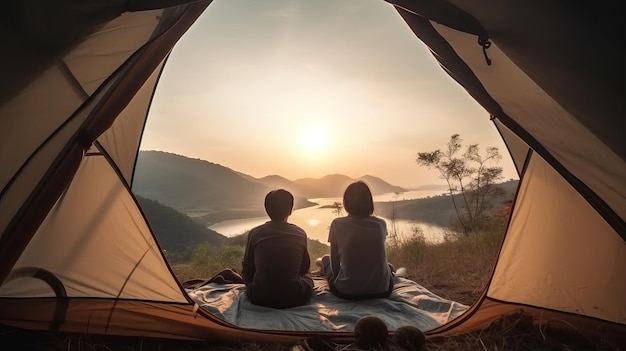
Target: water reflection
315 220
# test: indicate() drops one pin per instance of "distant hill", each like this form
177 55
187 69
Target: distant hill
190 185
213 193
334 185
176 232
276 181
184 183
442 187
438 210
379 186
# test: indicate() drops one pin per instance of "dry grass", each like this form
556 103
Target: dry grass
457 269
207 260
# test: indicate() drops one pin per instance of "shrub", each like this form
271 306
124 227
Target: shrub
209 260
457 268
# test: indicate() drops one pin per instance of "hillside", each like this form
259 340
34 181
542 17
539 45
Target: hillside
379 186
276 181
175 232
198 186
212 193
334 185
438 210
184 183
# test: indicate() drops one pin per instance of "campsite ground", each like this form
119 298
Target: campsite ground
456 269
514 333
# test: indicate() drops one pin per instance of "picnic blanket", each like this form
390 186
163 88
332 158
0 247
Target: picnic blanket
409 304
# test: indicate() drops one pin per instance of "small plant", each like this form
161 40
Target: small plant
337 208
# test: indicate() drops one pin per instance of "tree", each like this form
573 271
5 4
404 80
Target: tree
337 208
393 233
468 175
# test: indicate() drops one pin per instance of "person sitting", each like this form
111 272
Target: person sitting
357 266
276 260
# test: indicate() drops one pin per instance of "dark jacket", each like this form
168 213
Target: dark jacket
276 265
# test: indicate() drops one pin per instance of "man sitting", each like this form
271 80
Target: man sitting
276 260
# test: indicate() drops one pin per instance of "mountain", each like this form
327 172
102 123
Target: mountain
334 185
442 187
176 232
276 181
215 193
379 186
184 183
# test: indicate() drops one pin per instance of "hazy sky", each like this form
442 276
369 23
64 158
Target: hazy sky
306 88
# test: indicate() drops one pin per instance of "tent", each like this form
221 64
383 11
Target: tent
77 254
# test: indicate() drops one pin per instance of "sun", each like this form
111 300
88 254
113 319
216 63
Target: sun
314 139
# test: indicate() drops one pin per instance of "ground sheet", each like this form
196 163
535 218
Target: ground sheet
409 304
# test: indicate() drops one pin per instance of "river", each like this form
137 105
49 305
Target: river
315 220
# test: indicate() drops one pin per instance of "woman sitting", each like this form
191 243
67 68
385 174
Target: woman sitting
357 266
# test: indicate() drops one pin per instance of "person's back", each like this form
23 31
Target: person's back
276 262
360 243
357 266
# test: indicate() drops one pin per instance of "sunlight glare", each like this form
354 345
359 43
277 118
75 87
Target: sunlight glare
313 222
314 139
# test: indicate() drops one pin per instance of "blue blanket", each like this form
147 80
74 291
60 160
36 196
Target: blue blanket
409 304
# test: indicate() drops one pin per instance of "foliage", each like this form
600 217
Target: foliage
177 233
469 176
317 249
393 218
337 208
458 268
437 210
208 260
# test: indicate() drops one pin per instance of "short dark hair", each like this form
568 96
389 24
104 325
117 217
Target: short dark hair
278 204
357 199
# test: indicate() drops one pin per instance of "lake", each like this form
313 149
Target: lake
315 220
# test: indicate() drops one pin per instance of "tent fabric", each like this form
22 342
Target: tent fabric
68 132
538 115
115 237
77 84
517 148
125 133
123 317
552 225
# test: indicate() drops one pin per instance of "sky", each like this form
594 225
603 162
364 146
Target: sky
307 88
